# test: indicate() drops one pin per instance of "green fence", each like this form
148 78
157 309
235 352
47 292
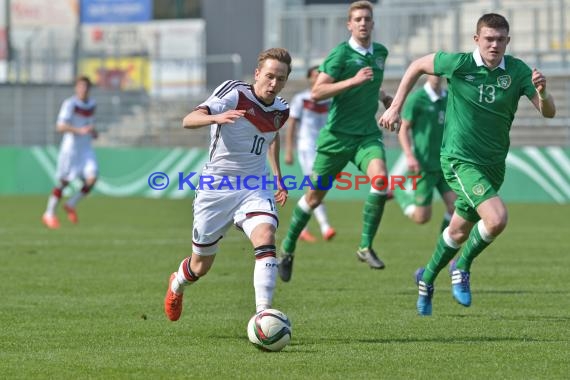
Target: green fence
533 174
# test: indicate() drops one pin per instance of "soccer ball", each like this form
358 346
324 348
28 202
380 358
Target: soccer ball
269 330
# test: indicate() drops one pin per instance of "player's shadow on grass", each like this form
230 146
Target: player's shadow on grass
519 291
503 317
310 346
301 345
451 339
533 318
490 291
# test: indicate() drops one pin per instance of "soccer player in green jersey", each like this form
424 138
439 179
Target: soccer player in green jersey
484 90
420 136
352 75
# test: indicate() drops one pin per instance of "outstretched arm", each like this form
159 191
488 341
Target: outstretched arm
200 118
325 87
543 101
391 117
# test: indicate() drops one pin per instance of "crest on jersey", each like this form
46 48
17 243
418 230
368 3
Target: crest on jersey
380 63
504 81
478 189
277 120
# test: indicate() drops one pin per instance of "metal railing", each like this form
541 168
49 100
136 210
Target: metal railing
538 30
129 112
144 106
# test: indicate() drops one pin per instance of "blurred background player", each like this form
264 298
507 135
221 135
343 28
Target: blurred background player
77 158
352 75
310 117
244 125
420 135
484 91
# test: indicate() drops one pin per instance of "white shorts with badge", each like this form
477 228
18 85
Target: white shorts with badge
216 210
73 164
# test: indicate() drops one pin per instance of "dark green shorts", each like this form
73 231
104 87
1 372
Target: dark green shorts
472 183
335 150
430 180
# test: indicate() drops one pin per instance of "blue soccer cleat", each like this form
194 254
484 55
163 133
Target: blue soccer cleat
425 292
460 286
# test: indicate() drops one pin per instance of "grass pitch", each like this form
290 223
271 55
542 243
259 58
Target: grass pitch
85 301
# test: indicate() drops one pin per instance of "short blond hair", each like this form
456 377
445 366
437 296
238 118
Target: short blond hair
362 4
278 54
84 78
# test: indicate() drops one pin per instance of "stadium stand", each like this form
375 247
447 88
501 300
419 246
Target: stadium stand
409 28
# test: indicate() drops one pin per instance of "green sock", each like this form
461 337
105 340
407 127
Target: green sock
445 222
442 255
473 247
372 215
298 222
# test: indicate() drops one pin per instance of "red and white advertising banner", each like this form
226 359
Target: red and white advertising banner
42 13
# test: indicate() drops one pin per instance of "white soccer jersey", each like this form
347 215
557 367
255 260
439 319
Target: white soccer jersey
76 155
78 114
241 148
312 118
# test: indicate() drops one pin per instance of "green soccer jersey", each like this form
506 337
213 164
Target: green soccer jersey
353 111
426 112
481 105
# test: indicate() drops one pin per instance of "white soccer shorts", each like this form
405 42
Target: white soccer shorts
216 210
72 165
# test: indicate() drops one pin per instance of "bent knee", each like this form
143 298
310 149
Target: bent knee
495 225
263 234
313 199
421 220
458 235
422 215
380 181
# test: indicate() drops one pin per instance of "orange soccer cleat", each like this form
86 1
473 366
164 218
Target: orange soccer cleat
71 214
329 234
172 301
50 221
307 236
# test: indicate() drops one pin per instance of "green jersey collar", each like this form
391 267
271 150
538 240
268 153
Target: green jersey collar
479 60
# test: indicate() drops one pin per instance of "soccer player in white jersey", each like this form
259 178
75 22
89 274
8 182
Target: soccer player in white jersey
310 116
76 155
244 125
